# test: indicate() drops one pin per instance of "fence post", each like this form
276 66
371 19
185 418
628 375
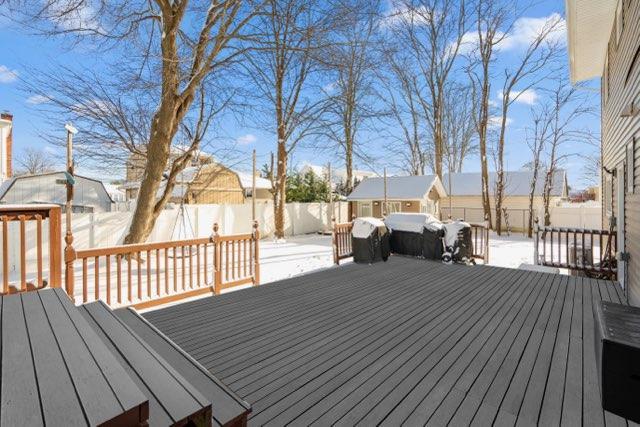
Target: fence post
256 255
69 258
217 260
55 246
536 228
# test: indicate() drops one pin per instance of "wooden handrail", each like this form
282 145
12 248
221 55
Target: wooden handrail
573 249
24 214
149 274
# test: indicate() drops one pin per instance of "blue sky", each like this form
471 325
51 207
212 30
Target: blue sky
21 51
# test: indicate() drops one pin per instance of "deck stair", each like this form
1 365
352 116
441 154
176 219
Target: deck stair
89 365
180 391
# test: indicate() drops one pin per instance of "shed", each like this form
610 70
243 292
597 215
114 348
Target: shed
415 194
89 195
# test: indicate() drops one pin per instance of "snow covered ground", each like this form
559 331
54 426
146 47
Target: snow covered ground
301 254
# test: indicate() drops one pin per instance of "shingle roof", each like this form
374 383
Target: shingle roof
398 187
517 183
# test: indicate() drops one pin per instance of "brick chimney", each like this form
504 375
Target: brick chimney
6 145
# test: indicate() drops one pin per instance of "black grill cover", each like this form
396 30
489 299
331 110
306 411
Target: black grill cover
373 248
407 243
432 244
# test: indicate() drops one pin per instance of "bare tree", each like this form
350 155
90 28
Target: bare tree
434 31
532 67
170 47
282 70
403 114
567 103
33 162
537 138
459 130
493 22
351 61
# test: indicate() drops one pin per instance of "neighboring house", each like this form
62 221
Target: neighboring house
604 41
89 195
464 198
404 194
214 183
136 163
6 145
338 176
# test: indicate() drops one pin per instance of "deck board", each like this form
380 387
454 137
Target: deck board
407 341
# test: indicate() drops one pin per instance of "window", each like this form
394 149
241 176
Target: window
365 209
631 167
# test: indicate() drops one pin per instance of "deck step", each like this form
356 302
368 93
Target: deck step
227 407
173 400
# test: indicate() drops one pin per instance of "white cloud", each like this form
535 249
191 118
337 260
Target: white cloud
496 121
82 17
38 99
524 32
7 75
528 97
246 139
402 14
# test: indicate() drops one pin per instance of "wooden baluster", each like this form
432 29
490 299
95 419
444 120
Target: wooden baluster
244 248
582 257
552 259
119 277
39 248
23 254
139 273
129 281
148 259
55 261
226 261
96 277
198 283
600 252
190 267
157 272
166 271
108 268
175 269
575 249
69 258
5 255
217 262
84 280
233 259
256 255
184 268
206 264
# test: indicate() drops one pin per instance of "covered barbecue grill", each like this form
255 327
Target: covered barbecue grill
370 240
458 242
415 234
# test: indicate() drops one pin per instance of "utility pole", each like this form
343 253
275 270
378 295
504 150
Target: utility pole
384 205
253 188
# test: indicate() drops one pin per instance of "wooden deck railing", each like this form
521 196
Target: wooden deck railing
143 275
575 249
341 241
34 218
480 241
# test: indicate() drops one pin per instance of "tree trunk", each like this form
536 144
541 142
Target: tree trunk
158 152
482 136
531 197
348 163
281 187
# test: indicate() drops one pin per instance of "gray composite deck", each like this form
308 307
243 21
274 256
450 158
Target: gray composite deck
407 341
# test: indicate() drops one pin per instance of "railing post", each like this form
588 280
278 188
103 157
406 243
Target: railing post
69 258
486 240
217 261
55 246
256 255
334 241
536 229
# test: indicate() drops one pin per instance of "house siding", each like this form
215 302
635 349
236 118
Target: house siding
621 82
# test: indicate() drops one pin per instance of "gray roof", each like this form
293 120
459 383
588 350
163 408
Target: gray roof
517 183
398 188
